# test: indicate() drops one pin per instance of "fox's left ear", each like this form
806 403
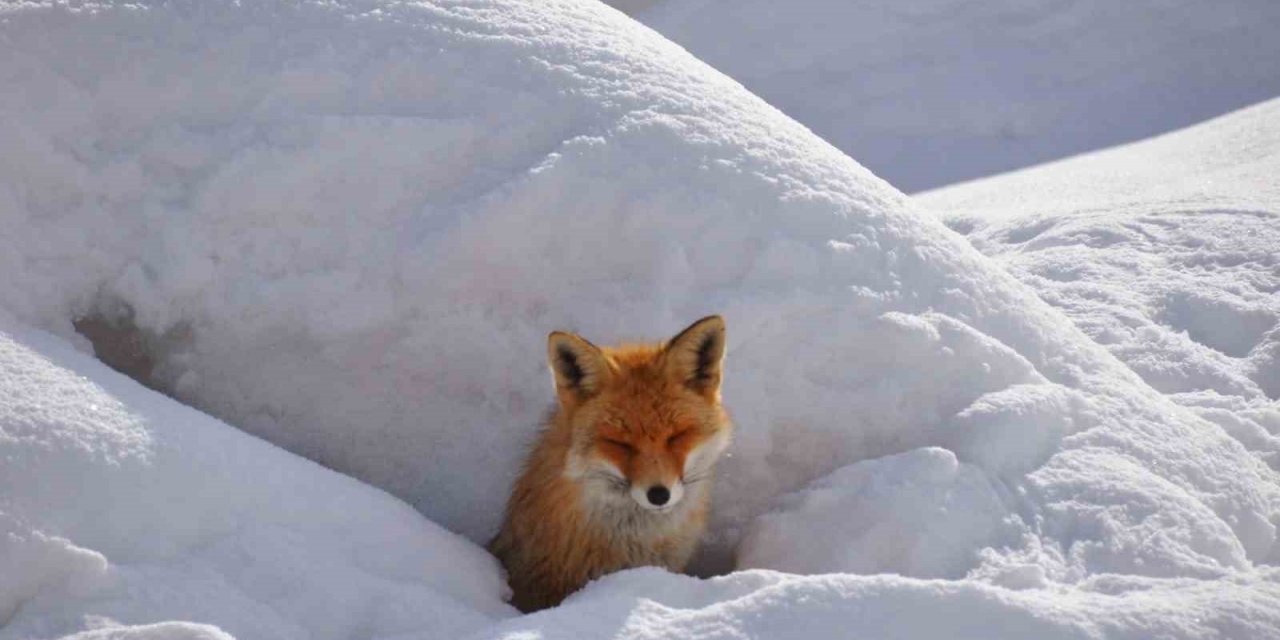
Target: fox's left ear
693 357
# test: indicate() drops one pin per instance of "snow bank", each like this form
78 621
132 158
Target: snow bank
1164 251
919 513
119 506
647 603
347 227
929 92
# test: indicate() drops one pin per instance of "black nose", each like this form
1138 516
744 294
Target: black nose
658 495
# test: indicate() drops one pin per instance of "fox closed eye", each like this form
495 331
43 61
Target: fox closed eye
623 446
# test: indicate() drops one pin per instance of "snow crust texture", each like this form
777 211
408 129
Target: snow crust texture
348 227
647 603
1167 252
930 92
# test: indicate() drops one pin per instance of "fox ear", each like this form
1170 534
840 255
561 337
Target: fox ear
580 368
693 357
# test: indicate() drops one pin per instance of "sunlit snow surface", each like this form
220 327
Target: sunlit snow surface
1167 252
120 506
348 227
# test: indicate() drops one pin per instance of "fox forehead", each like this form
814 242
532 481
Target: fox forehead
641 400
645 411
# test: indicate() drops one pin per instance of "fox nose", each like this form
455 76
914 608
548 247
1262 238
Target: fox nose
658 495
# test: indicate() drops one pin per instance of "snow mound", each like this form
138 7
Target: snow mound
1164 251
920 513
646 603
347 227
929 92
120 506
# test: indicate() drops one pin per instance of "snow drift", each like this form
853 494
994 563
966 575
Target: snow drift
647 603
348 227
1164 251
929 92
121 507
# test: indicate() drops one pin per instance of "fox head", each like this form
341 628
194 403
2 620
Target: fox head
645 421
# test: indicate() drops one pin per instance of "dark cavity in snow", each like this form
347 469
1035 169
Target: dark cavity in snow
120 344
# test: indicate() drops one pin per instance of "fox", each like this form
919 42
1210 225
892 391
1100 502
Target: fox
620 475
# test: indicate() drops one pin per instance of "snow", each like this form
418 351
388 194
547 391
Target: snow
647 603
119 505
347 227
160 631
931 92
920 513
1165 252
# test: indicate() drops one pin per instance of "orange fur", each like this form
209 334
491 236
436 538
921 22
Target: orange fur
630 421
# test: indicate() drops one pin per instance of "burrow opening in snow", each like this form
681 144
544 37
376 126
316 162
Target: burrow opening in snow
111 328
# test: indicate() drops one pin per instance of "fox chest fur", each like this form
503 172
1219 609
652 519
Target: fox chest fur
621 476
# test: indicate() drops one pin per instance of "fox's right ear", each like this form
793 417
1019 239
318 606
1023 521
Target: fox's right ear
580 368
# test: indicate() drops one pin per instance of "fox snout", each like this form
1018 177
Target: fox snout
652 479
657 497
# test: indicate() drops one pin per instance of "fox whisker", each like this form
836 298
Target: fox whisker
613 481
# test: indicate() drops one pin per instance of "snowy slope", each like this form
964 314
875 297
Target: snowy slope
929 92
761 604
1166 251
347 227
121 506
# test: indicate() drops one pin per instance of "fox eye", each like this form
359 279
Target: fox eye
620 445
672 440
